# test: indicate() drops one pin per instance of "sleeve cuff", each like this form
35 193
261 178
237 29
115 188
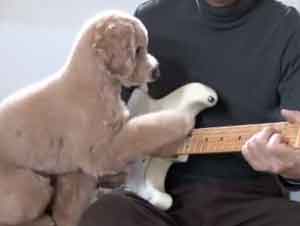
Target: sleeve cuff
290 184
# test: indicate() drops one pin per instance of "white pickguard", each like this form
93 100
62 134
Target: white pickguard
147 178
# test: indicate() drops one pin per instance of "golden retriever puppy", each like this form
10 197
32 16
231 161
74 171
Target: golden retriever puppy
59 135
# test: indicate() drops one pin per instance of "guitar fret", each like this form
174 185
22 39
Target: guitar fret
194 146
198 144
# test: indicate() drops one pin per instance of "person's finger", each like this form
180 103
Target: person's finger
251 156
291 116
276 139
264 135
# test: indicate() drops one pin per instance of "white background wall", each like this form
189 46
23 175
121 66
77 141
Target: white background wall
36 35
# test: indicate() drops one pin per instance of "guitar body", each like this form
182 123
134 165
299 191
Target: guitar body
146 178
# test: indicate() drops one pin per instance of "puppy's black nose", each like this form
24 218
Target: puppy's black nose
155 73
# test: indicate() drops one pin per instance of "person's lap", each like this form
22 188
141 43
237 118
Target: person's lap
122 208
213 204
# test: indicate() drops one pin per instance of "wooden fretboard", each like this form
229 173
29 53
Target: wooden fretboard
232 138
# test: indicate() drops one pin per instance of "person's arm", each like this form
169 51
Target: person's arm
268 151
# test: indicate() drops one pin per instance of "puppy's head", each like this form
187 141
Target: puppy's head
120 41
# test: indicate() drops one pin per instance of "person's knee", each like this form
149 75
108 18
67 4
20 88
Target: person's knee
110 210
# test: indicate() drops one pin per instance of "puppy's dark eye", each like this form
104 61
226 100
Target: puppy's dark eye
138 51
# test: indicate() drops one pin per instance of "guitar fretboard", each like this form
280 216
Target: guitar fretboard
232 138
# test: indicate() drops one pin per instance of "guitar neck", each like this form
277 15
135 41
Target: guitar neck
231 138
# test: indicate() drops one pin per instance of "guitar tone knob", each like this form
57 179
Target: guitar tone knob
211 99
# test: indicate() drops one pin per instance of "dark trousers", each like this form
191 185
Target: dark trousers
259 203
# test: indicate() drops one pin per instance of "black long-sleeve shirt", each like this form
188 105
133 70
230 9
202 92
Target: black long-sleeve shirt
249 53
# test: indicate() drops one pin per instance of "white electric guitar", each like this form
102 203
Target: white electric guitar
147 178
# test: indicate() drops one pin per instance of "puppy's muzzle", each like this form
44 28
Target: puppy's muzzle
155 73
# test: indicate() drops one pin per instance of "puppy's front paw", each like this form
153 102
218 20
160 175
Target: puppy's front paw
169 150
188 124
89 170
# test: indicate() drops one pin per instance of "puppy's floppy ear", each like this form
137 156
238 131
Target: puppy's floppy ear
114 41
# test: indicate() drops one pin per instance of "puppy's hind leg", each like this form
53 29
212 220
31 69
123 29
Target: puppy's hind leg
74 192
41 221
24 195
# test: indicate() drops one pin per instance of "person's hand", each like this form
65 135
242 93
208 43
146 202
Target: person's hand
268 151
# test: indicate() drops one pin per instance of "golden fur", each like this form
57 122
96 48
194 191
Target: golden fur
73 127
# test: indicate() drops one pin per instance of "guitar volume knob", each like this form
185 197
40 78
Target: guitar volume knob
211 99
